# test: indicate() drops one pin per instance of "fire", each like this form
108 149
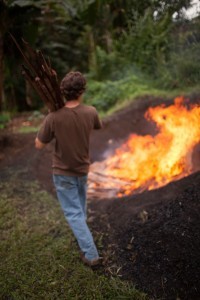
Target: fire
148 162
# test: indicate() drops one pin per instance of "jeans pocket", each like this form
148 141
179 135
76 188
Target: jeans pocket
83 179
65 182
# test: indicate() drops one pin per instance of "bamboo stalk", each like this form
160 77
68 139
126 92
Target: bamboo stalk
41 76
26 73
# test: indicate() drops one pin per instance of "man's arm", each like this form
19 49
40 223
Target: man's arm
97 121
45 133
38 144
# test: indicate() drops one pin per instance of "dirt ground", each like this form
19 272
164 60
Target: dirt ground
151 239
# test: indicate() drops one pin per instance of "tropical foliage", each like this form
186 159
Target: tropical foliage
107 40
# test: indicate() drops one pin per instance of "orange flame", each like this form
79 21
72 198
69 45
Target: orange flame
148 162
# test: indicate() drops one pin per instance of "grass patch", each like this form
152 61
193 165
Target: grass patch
28 129
4 119
39 259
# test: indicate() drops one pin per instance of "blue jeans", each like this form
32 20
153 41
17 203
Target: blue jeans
71 193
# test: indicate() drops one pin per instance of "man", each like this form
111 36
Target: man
71 126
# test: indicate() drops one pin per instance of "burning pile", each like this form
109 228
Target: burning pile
148 162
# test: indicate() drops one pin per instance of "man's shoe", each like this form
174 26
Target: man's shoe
91 263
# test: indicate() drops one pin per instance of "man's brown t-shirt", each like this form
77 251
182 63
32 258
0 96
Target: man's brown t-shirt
71 128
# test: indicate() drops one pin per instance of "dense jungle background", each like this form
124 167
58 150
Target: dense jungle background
125 48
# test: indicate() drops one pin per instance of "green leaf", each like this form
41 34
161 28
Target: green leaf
24 3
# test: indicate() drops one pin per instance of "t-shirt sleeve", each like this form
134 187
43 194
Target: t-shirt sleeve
97 121
46 132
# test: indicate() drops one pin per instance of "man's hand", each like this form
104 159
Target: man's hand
38 144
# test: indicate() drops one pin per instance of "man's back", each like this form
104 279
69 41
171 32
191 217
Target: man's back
71 128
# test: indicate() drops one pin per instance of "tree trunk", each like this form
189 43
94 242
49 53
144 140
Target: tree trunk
1 71
28 94
92 52
108 40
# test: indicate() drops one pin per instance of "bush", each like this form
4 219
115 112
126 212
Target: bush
186 66
146 42
108 65
104 95
4 119
182 70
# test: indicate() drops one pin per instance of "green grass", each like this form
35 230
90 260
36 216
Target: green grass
4 119
39 258
28 129
34 121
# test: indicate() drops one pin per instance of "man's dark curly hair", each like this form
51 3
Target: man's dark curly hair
73 85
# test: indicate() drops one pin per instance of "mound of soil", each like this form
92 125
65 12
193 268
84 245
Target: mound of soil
153 238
